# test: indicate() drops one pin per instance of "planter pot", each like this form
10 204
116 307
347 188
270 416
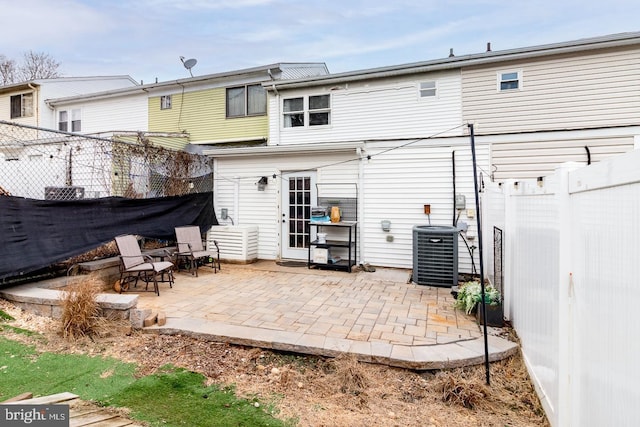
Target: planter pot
495 315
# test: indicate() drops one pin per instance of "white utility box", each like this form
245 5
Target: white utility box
238 243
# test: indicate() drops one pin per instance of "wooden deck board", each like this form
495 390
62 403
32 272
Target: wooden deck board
79 416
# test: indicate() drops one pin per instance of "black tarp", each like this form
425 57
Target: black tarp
38 233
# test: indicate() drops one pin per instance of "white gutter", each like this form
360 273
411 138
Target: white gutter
274 150
456 62
231 140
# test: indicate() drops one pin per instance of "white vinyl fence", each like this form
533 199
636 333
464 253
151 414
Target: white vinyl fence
571 286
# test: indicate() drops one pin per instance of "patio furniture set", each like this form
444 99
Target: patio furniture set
157 266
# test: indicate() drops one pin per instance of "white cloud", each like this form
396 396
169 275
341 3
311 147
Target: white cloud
144 38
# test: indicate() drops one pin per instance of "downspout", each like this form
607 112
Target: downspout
236 197
453 167
360 192
277 127
36 102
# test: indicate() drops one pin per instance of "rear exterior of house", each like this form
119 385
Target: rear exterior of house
384 145
399 136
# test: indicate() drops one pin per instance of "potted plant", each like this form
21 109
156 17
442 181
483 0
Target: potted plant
469 298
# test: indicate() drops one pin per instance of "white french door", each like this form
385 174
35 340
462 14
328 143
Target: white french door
299 195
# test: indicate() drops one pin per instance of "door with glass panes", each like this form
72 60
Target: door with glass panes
299 195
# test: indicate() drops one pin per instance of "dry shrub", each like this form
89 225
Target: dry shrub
80 308
349 374
344 376
458 388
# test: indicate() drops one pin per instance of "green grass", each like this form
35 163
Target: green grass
172 397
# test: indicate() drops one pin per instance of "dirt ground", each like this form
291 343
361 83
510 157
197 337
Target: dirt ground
312 390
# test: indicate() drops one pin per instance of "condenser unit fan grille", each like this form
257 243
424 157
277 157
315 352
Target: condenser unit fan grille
435 255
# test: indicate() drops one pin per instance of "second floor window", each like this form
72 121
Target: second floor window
509 80
22 105
165 102
427 89
307 111
63 121
249 100
76 120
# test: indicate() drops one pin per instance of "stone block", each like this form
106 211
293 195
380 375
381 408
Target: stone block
150 320
162 318
137 317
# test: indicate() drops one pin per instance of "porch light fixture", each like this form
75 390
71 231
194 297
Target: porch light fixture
262 183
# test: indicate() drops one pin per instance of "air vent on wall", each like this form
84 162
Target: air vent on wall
435 255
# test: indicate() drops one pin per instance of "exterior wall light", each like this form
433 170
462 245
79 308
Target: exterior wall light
262 183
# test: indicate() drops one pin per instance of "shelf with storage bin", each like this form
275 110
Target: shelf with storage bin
320 251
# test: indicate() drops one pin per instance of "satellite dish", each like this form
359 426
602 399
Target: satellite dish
189 64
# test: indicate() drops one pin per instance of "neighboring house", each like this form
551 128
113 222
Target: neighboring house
228 107
24 102
397 140
224 108
25 160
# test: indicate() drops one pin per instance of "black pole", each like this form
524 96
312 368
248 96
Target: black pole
453 167
478 222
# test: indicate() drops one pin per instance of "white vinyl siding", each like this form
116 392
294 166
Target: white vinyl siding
386 109
397 185
561 92
235 185
531 156
107 115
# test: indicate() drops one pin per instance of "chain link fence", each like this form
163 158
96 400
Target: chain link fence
51 165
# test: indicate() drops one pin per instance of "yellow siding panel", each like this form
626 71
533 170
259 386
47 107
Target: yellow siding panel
202 114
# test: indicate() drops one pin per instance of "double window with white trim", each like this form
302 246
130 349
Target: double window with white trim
304 111
76 120
248 100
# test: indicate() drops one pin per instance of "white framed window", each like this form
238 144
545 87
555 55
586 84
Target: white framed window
75 120
248 100
313 110
63 121
22 105
293 109
509 80
319 110
165 102
427 89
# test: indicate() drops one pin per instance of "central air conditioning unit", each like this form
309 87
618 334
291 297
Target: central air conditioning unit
435 255
238 243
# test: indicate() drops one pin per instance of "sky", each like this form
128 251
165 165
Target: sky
146 38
